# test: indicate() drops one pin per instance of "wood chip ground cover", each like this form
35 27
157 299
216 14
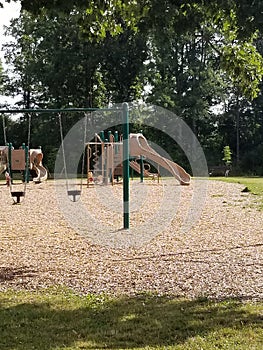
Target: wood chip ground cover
220 256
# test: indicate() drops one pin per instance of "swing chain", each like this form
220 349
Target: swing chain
73 193
4 129
84 147
19 194
62 147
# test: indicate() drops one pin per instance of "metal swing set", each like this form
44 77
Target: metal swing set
16 160
74 194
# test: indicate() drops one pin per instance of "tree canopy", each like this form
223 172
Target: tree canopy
229 26
200 59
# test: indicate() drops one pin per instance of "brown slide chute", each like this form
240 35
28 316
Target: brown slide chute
140 147
36 157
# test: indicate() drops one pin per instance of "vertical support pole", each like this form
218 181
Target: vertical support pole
88 150
116 136
102 136
116 139
106 168
126 174
26 171
109 135
141 168
10 162
27 164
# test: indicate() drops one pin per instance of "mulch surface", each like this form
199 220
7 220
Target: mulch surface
188 241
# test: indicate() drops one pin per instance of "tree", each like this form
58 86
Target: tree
218 23
202 58
1 75
192 54
230 23
123 65
96 18
227 155
54 66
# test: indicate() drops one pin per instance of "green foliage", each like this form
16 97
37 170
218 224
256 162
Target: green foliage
1 74
191 55
220 19
54 66
60 319
96 18
245 66
216 25
227 155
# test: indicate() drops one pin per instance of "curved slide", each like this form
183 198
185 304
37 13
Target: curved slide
3 159
36 157
2 168
140 147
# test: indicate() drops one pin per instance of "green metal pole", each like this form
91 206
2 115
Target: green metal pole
10 161
126 174
109 135
27 164
24 172
116 139
102 136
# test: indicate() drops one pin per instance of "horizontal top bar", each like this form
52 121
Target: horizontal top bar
57 110
117 143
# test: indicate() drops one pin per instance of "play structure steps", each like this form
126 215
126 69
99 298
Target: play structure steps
146 173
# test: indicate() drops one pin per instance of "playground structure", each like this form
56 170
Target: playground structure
22 160
106 156
116 158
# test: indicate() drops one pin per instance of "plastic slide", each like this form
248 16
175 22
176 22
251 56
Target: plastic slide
140 147
41 173
36 157
2 167
3 159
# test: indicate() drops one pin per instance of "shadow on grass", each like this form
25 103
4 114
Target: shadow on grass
97 322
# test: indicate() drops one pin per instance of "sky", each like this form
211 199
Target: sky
9 11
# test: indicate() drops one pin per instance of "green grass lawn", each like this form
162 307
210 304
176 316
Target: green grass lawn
59 319
253 184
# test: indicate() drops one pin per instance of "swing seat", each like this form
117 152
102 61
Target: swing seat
17 194
74 194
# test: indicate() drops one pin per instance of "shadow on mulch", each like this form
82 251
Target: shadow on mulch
9 273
